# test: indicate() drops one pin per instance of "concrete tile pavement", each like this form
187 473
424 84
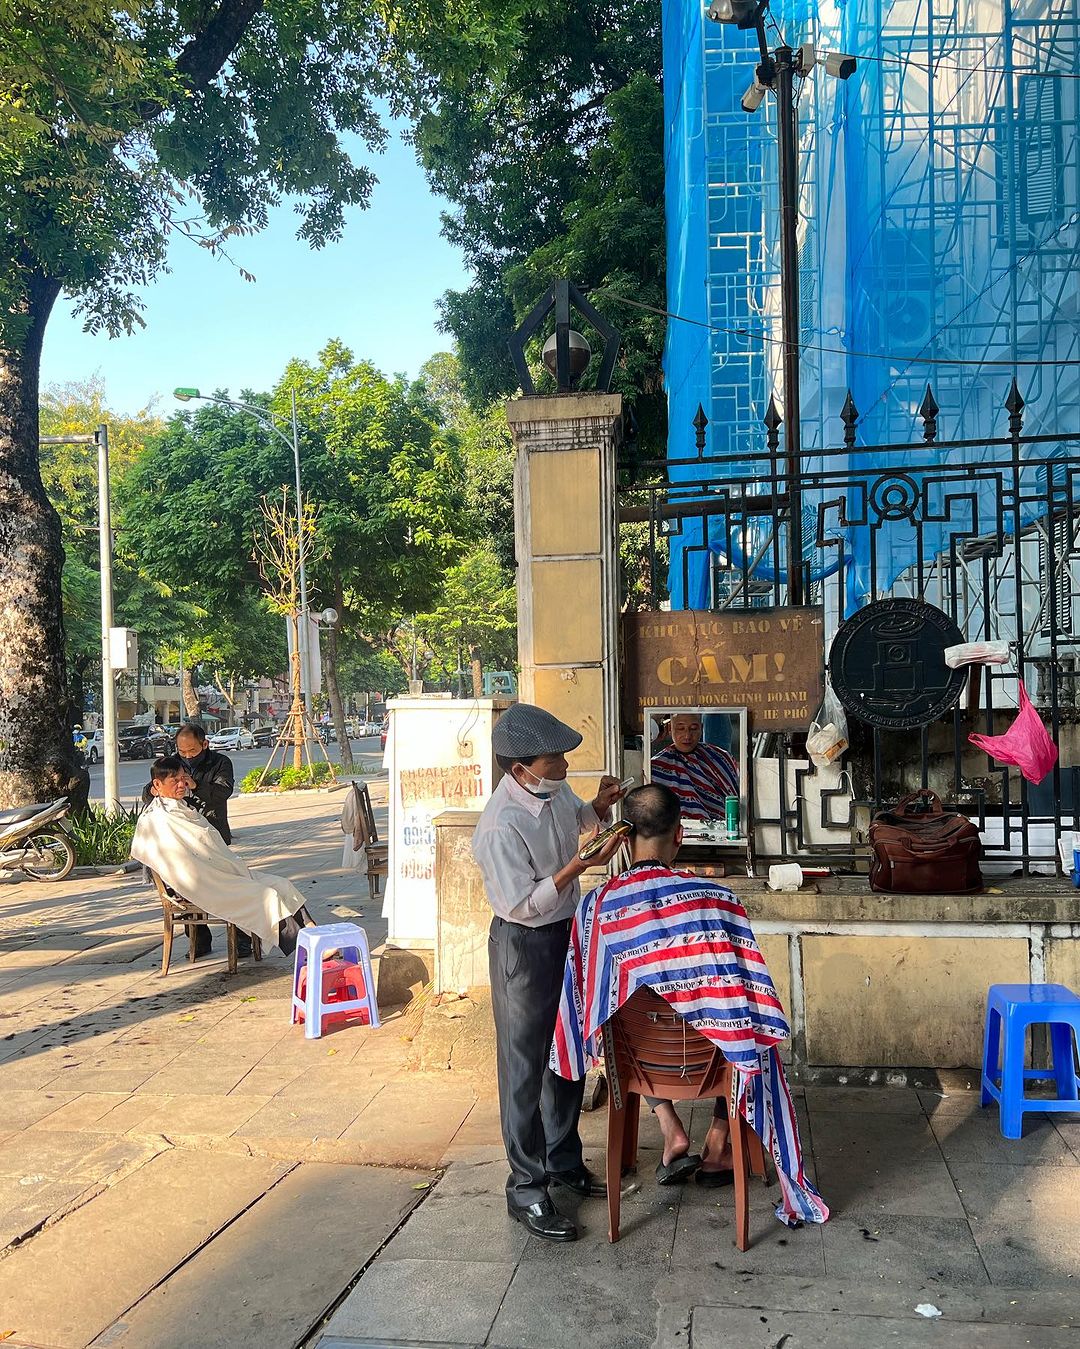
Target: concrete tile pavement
239 1183
994 1246
148 1122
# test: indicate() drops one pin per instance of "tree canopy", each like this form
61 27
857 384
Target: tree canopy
123 126
544 128
127 125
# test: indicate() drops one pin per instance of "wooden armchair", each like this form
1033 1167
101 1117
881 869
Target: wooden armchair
652 1051
181 911
378 854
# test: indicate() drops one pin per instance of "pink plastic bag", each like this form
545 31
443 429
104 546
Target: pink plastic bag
1026 743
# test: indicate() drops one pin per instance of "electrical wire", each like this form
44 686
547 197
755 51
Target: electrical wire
1007 364
974 300
891 58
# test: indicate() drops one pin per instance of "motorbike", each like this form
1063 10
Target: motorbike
34 840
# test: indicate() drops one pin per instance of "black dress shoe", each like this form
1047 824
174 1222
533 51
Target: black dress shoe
543 1220
582 1181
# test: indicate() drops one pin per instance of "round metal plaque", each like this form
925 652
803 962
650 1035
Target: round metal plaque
887 663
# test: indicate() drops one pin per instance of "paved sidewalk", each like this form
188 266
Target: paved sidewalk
181 1169
178 1165
931 1206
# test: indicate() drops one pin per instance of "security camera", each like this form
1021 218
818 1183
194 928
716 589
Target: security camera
839 64
742 13
751 100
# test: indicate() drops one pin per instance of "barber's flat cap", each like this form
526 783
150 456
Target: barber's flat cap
524 731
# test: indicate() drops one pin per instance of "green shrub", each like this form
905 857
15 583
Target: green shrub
100 839
287 779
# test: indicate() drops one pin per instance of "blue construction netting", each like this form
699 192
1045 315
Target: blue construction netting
940 221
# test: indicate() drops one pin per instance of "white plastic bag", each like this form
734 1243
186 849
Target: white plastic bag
828 737
976 653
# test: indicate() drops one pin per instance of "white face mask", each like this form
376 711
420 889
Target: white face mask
543 788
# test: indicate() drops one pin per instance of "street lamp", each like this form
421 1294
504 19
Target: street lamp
186 395
579 355
776 73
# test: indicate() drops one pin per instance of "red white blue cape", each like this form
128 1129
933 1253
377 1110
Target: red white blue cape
690 941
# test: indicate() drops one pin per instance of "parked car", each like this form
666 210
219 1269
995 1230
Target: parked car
264 735
370 728
233 738
144 742
95 746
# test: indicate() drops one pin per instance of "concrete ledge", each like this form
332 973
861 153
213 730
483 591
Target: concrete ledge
848 899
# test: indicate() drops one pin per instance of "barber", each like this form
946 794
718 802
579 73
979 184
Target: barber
526 845
212 773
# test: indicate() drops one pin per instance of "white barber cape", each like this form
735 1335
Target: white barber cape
191 857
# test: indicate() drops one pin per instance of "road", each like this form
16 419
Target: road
135 773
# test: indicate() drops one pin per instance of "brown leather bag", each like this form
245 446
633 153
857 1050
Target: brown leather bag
920 848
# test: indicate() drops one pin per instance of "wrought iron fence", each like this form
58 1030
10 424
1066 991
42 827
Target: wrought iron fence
986 529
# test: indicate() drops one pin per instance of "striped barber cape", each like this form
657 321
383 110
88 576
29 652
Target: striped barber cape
702 779
690 941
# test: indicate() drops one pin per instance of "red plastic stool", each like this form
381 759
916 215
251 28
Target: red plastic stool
342 981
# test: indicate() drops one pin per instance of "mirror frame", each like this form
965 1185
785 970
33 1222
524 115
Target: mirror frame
742 717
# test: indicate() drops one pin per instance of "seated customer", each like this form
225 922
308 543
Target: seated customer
702 776
207 802
690 941
193 860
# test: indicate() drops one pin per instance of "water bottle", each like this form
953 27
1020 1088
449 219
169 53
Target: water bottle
1076 861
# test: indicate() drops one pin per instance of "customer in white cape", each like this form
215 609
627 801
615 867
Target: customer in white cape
193 860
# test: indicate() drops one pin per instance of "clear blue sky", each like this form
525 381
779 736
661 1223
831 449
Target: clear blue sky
207 327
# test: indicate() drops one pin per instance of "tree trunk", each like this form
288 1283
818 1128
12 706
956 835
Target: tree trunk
337 713
37 756
476 662
188 696
227 693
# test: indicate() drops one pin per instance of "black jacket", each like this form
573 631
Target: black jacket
213 774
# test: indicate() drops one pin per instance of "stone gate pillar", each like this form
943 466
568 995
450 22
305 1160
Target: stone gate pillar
567 577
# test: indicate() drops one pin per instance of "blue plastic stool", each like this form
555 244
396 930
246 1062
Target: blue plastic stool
1018 1006
311 945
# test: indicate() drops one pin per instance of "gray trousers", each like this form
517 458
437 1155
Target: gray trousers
539 1110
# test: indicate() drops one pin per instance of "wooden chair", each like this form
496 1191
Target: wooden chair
652 1051
378 854
176 910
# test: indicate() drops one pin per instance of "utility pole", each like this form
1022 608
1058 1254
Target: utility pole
775 73
304 632
784 77
111 756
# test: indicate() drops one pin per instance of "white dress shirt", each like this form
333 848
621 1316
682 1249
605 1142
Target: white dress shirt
520 842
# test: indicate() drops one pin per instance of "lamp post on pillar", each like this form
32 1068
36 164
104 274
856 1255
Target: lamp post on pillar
776 73
565 526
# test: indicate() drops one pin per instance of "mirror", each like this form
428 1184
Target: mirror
701 754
